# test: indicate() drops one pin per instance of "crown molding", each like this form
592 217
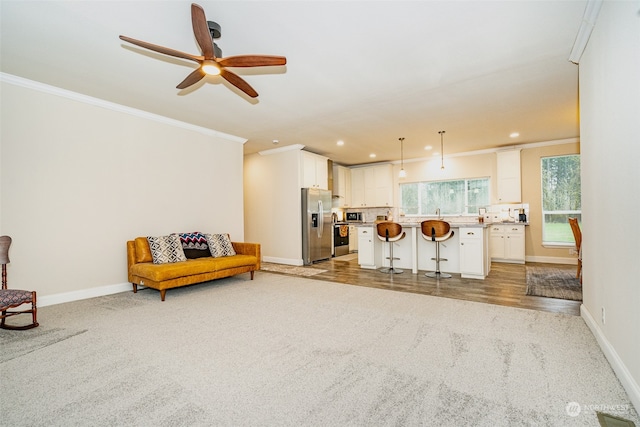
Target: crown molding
85 99
282 149
589 18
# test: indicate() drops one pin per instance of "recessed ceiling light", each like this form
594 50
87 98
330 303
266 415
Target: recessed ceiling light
372 155
514 135
428 147
340 143
275 141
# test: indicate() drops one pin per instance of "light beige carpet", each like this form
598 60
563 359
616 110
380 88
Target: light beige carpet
290 351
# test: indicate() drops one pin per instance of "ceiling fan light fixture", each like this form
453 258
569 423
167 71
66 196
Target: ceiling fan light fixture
210 61
210 67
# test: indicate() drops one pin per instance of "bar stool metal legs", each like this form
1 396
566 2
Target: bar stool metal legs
438 274
437 231
391 269
390 232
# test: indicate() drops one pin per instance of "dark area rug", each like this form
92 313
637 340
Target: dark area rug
553 282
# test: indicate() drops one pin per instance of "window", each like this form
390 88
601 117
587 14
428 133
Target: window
561 198
459 197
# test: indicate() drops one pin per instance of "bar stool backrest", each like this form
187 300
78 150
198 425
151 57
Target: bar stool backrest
389 230
435 229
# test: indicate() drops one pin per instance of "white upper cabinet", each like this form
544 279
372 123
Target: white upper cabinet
341 187
372 186
383 179
509 190
357 187
315 173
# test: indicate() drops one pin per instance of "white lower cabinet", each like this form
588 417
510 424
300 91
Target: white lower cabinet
353 238
366 247
508 243
473 253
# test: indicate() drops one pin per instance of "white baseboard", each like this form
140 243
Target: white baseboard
287 261
84 294
552 260
628 382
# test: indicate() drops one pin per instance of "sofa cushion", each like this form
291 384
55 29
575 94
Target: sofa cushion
160 272
220 245
143 252
196 253
194 245
166 249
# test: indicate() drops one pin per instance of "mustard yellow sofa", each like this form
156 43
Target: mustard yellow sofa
142 270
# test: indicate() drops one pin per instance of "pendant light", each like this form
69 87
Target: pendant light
402 173
441 150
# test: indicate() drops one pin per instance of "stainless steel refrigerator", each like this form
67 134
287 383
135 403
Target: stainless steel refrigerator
316 225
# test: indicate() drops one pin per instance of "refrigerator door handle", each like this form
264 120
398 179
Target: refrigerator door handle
321 218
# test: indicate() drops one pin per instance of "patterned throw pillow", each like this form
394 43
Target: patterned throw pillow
166 249
220 245
194 245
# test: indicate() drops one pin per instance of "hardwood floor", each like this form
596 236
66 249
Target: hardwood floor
505 284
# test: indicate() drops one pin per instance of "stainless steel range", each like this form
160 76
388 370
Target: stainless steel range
340 239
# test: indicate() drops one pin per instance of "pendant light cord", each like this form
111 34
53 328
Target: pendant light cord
441 149
402 173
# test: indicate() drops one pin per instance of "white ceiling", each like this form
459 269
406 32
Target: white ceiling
365 72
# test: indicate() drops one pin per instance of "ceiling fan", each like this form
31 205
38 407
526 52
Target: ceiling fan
210 62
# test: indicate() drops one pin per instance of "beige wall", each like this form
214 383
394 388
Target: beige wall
471 166
80 179
610 130
273 205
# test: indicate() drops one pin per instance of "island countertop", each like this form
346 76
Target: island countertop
451 224
418 224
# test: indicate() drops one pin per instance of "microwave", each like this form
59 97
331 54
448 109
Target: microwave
354 216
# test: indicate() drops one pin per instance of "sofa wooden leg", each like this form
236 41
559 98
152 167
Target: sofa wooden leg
251 272
135 288
163 292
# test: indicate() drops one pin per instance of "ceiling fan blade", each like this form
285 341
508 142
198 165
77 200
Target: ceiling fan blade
238 82
192 78
162 49
252 61
201 31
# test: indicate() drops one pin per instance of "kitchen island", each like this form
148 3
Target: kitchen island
467 252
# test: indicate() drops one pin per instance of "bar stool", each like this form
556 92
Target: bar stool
390 232
437 231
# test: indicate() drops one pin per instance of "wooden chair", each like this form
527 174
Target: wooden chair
12 298
577 235
390 232
437 231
